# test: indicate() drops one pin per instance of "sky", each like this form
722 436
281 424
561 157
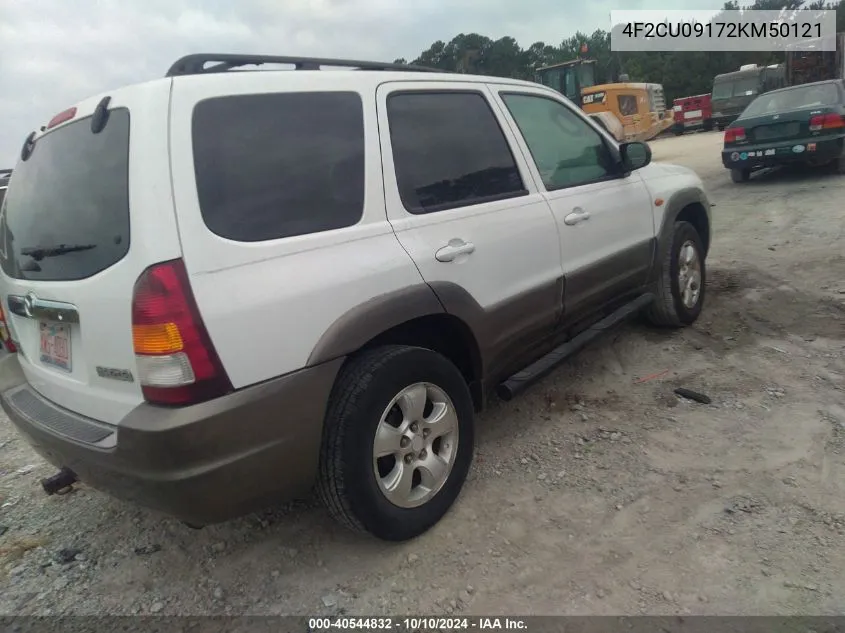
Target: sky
54 53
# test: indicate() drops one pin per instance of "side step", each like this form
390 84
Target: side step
544 366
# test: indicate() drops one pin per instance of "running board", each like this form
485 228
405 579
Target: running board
544 366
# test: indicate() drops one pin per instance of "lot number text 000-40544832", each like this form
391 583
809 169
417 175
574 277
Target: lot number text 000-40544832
408 623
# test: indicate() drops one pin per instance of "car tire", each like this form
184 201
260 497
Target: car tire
675 306
367 397
740 175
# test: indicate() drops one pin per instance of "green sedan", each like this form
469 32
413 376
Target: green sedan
799 124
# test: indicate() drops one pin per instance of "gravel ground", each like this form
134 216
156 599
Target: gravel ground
597 492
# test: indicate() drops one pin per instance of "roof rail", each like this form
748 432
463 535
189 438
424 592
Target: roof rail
196 64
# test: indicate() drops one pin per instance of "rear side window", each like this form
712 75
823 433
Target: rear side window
449 151
66 211
272 166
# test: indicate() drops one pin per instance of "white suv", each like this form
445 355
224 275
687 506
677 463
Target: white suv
226 287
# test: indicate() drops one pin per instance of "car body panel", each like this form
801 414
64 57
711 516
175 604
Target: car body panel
285 314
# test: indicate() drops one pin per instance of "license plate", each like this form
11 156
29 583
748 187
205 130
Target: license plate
692 114
55 345
778 130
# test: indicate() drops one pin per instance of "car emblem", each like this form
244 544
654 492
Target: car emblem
29 303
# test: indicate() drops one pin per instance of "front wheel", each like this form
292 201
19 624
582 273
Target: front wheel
398 442
680 286
740 175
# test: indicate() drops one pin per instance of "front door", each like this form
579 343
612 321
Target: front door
466 209
604 216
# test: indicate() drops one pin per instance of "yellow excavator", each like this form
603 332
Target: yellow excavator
629 111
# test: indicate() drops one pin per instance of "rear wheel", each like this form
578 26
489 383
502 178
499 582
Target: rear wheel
683 274
740 175
398 442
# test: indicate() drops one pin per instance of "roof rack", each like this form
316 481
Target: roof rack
196 64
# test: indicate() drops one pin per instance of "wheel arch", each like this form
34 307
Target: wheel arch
412 316
689 204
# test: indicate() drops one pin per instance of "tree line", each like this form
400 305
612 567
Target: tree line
681 73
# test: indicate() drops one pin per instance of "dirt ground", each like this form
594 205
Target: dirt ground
597 492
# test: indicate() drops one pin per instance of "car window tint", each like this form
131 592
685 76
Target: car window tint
449 151
66 212
272 166
566 149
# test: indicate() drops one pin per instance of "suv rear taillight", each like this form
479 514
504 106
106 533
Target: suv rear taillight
734 134
177 364
826 122
6 334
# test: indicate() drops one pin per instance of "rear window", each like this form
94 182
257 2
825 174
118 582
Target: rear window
277 165
66 211
799 98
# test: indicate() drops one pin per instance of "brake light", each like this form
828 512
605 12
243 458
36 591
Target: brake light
177 363
5 334
826 122
734 134
61 117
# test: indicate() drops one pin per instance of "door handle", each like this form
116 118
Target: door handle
578 215
453 249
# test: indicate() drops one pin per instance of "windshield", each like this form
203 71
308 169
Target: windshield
66 212
737 88
793 99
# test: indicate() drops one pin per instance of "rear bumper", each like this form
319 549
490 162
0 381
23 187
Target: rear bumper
761 155
202 464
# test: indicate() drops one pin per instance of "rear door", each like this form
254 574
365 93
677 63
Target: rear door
84 215
465 207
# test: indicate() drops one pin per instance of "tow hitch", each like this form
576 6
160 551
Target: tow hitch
60 483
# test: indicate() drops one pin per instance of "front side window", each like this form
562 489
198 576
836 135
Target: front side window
449 151
272 166
566 149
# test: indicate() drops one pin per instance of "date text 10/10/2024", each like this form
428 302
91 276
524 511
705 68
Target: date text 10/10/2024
316 625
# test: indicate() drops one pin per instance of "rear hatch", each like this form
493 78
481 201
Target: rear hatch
86 212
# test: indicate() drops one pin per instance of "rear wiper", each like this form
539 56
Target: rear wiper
40 252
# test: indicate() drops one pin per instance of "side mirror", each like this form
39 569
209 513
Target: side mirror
635 155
